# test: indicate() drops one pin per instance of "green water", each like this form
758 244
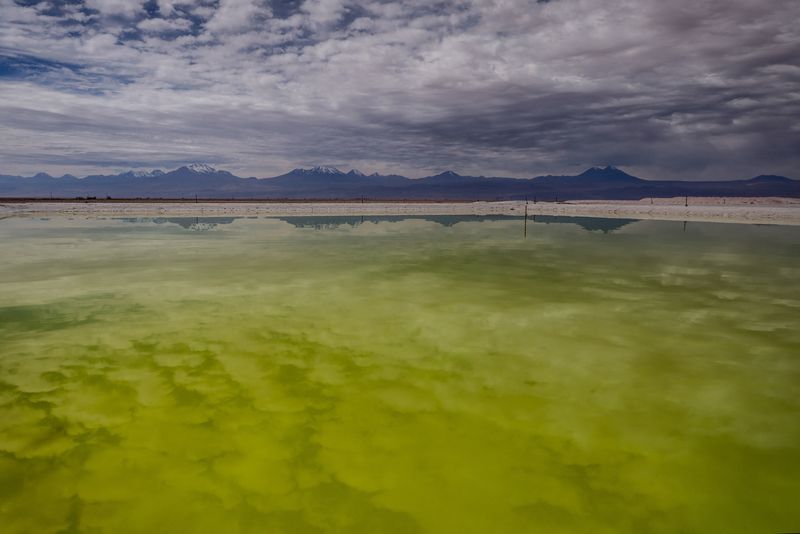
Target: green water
397 376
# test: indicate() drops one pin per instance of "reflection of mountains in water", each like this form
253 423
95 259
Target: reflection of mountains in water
317 222
198 224
332 222
592 224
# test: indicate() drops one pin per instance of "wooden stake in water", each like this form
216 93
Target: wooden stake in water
525 228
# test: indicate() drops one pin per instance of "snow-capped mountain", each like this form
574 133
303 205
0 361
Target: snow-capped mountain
329 171
322 169
197 173
201 168
319 170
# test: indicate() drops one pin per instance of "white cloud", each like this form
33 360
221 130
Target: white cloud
12 12
124 8
167 7
491 86
237 15
161 25
323 12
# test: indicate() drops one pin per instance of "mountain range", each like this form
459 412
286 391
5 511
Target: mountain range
204 181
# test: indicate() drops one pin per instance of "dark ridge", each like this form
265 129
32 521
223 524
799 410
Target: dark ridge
328 183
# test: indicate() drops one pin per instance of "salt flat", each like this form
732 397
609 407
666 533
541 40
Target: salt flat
713 209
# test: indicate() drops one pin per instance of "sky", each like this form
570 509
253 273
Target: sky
678 89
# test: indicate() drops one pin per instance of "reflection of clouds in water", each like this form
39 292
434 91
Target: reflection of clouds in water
441 384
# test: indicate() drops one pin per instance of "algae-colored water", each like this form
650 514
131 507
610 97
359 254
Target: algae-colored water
334 375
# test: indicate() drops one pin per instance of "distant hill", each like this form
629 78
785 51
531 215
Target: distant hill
205 181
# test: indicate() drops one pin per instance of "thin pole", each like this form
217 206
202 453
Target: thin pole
525 228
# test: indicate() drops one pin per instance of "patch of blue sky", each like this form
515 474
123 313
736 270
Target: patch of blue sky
283 9
58 74
22 66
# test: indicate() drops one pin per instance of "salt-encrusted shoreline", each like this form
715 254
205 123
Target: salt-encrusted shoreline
717 209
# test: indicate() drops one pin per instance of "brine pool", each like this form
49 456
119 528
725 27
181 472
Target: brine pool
398 375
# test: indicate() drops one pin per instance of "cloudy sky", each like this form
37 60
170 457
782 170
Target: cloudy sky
683 89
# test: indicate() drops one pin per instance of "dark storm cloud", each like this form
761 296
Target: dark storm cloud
680 89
